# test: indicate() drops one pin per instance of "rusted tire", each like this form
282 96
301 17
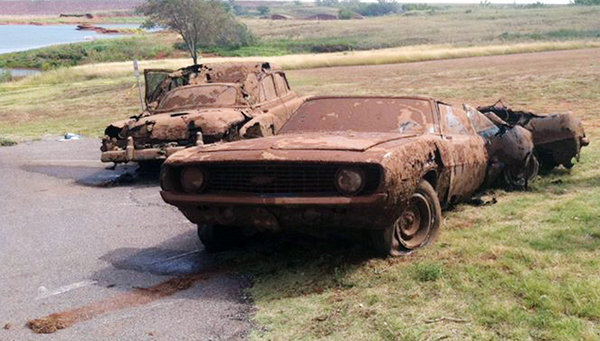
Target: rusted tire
533 168
417 225
217 238
520 177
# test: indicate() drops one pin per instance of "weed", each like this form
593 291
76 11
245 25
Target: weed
6 142
427 272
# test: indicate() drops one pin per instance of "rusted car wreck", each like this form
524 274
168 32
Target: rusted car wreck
201 104
558 138
382 165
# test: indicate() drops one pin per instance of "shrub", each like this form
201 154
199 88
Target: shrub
345 14
381 7
263 10
4 142
5 76
586 2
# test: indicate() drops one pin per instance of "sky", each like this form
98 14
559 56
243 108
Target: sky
549 2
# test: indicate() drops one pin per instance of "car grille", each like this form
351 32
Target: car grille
281 178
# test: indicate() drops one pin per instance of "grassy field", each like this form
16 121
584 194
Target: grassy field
463 26
524 268
85 98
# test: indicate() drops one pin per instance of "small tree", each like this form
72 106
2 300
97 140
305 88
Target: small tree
263 10
200 23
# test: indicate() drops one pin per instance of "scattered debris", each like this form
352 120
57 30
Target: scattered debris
484 199
45 293
69 137
7 326
447 319
86 15
97 29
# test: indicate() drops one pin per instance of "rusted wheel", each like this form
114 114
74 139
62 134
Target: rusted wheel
533 168
519 177
417 225
217 238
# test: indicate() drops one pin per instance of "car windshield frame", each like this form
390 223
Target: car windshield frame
176 90
425 124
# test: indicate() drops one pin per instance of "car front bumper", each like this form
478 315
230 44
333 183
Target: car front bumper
132 154
276 213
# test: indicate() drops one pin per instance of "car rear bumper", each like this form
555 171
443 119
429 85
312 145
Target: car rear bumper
275 213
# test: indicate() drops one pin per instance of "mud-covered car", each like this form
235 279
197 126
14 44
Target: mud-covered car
201 104
558 138
381 165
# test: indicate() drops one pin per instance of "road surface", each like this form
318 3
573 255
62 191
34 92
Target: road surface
104 253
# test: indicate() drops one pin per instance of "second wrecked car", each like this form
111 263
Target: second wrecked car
558 138
202 104
384 165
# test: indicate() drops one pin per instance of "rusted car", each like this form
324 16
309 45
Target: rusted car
512 160
381 165
202 104
558 138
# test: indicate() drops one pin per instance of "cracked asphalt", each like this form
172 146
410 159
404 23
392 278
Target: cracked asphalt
73 234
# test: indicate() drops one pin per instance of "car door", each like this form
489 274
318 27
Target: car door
288 97
467 157
270 102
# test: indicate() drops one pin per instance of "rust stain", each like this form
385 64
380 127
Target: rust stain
139 296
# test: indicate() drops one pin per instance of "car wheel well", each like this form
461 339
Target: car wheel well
431 177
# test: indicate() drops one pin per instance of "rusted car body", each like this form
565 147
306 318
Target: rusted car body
202 104
385 165
558 138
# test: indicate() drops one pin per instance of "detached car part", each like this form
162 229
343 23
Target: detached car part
558 138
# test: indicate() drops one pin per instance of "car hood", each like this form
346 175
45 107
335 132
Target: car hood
345 142
177 125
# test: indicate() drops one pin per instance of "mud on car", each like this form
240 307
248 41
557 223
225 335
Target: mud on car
201 104
381 165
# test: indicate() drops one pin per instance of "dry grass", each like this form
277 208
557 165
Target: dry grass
466 24
304 61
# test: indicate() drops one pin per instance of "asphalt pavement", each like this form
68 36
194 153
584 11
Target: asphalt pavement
100 250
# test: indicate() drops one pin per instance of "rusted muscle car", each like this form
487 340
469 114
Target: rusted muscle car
558 138
202 104
385 165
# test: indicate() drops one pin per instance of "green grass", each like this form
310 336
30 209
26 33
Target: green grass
523 268
141 46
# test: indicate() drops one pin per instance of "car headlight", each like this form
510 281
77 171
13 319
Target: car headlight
192 179
349 181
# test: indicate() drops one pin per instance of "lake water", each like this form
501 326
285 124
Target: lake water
25 37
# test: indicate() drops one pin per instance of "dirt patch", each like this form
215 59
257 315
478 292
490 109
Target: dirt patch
138 296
